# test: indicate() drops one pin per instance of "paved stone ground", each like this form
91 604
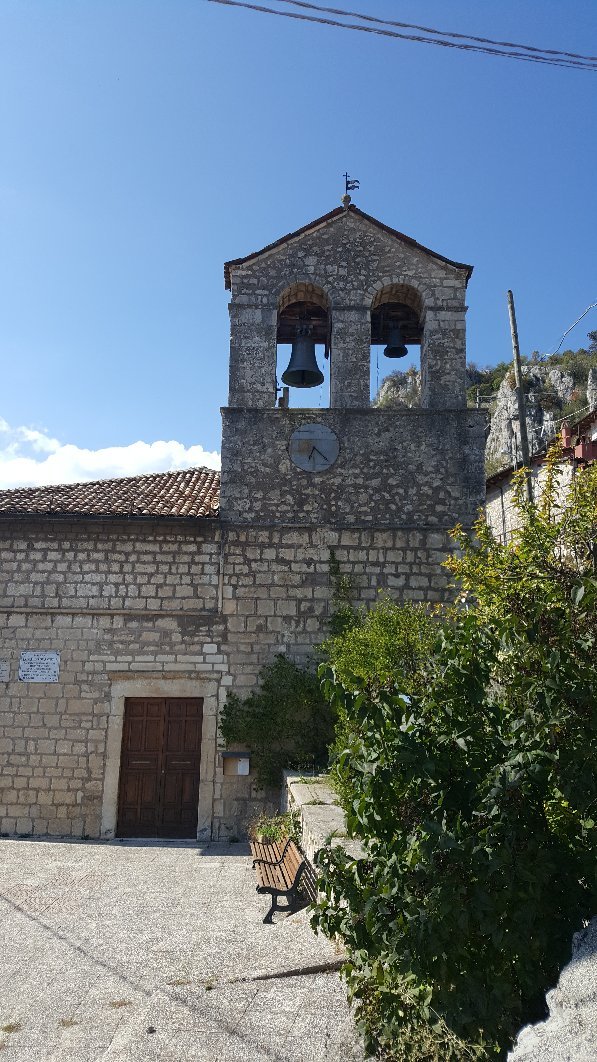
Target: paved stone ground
124 952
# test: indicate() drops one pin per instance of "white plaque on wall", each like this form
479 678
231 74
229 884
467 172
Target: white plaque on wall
4 670
39 666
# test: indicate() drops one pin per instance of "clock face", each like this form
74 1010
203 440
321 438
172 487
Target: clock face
313 447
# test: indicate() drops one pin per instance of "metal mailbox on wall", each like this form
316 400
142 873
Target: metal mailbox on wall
236 763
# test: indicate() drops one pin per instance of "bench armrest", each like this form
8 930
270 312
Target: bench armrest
273 862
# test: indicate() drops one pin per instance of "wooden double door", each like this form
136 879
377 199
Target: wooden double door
159 767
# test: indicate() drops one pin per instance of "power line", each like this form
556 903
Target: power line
548 58
578 320
441 33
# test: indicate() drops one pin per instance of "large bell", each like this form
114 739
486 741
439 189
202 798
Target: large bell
396 347
303 370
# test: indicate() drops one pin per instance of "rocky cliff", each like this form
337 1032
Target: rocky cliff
552 392
549 392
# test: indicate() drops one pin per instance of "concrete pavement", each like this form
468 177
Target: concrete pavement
126 953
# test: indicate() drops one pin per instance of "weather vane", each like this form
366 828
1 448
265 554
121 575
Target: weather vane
351 186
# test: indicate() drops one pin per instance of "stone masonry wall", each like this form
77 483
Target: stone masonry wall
277 589
254 592
500 513
396 468
108 566
129 606
277 598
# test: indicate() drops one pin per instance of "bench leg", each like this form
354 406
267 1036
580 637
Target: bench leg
269 916
293 901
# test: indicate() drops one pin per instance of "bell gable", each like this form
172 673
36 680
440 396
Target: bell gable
365 278
285 245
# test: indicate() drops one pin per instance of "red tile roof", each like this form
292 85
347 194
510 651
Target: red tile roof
194 492
228 266
577 428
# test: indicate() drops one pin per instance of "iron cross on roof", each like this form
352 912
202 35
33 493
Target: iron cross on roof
351 184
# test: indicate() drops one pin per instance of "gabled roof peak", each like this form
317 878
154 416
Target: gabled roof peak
324 220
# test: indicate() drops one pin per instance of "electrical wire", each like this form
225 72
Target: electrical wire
546 58
441 33
568 330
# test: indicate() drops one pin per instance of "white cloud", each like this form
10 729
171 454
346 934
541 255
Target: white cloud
32 458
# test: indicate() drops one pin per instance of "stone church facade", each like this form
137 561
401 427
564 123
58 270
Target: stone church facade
130 608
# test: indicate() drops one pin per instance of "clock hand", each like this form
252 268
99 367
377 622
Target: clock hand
316 451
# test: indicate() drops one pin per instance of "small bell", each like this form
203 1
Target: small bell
303 370
395 347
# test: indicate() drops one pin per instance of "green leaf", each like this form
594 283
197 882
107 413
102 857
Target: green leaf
577 594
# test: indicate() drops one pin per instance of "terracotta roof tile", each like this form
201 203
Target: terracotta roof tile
194 492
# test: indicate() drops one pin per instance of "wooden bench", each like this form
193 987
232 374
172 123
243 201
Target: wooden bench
279 867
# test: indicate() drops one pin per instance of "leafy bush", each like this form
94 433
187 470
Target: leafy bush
486 381
476 797
576 362
270 828
286 723
389 644
343 615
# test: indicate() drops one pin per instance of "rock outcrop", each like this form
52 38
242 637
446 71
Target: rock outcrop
592 389
550 391
400 389
547 392
570 1032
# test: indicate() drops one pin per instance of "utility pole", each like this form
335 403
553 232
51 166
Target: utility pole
522 412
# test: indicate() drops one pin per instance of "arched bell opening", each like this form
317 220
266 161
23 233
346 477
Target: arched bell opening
396 336
303 347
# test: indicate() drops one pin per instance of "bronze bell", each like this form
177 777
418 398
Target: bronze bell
396 347
303 370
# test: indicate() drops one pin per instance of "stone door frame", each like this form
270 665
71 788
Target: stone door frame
203 686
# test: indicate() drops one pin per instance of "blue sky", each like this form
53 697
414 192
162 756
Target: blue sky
144 142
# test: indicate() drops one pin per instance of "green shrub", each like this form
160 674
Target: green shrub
286 723
423 1036
269 828
389 644
576 362
343 614
476 798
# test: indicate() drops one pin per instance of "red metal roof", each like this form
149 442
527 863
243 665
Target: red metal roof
228 266
194 492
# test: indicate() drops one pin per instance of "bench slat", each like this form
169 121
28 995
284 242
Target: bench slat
276 877
262 850
269 876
